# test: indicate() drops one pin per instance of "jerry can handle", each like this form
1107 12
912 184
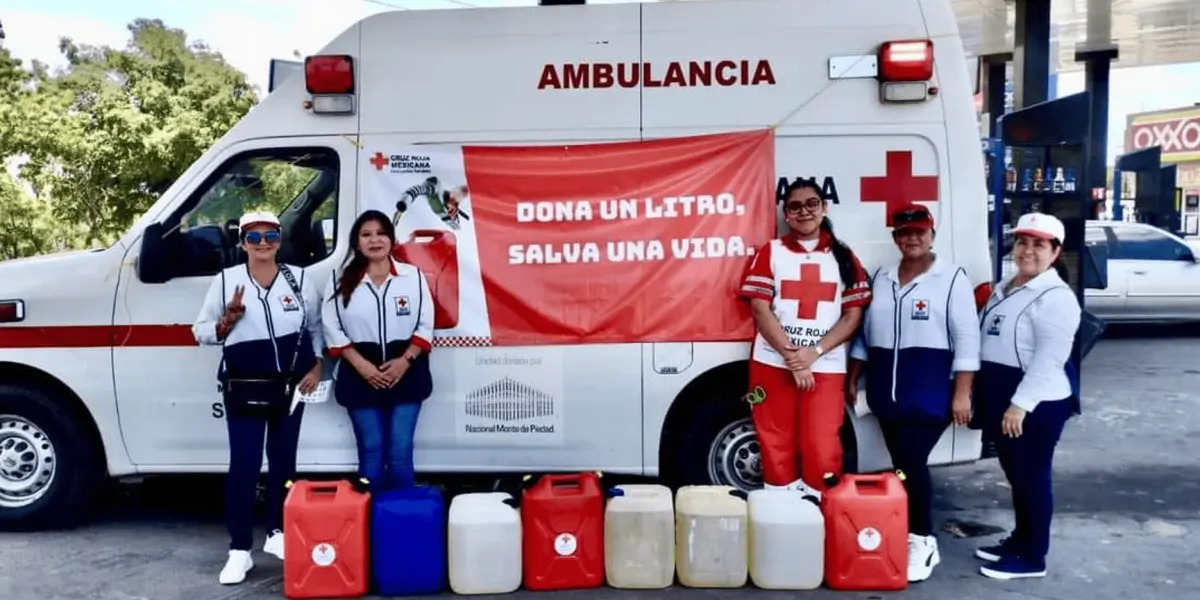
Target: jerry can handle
326 491
739 494
872 484
563 480
433 235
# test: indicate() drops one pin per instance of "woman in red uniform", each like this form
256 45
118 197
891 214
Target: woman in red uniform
807 292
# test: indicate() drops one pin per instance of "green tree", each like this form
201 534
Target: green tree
113 130
26 224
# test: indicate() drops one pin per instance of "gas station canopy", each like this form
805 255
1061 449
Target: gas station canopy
1147 32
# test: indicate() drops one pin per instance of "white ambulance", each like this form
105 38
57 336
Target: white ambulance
99 374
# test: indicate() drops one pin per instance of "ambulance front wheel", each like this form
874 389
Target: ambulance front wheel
47 471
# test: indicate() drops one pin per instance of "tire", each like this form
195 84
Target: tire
49 471
715 443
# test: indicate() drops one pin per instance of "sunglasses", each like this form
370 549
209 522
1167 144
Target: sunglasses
910 217
812 204
257 237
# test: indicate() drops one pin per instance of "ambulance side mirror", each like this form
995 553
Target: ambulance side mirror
152 262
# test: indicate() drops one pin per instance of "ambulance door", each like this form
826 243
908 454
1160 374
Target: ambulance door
170 409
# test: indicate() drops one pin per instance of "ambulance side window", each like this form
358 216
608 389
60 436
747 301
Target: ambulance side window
300 185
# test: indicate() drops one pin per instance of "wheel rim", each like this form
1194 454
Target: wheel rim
27 462
735 458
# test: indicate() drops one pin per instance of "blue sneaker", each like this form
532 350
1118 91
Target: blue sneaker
1006 547
1013 567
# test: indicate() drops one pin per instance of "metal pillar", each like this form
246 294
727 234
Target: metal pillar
1097 65
993 77
1031 56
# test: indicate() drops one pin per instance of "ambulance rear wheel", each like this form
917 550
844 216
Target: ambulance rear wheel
735 457
46 474
709 438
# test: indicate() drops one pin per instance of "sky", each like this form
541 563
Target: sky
249 33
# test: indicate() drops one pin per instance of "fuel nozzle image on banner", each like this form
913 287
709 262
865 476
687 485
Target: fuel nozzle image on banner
443 203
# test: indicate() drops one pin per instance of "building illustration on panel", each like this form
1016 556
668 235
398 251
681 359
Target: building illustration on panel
507 400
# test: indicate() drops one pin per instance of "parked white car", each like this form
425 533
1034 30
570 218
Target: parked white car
1153 276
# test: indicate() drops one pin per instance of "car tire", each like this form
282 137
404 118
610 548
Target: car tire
49 470
713 414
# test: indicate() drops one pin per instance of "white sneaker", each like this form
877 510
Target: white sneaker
236 567
804 489
923 556
274 544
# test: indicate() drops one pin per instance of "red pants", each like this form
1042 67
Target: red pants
790 421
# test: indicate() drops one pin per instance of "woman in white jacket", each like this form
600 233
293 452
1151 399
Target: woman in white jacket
378 318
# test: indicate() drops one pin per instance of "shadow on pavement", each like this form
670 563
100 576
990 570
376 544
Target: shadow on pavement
1125 331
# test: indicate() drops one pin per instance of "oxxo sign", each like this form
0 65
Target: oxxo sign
1176 136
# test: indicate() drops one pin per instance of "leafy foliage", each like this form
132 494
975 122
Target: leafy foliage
99 142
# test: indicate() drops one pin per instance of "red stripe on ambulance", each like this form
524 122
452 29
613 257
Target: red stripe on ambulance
97 336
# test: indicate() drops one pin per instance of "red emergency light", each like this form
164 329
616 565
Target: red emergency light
906 60
329 75
12 311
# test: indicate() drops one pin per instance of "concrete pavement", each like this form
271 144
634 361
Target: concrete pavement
1128 512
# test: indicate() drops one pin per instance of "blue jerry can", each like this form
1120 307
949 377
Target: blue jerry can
408 542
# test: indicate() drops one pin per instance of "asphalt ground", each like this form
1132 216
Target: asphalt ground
1127 478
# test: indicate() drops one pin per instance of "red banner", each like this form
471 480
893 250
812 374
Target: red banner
622 242
594 243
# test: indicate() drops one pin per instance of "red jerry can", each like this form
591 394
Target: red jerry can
562 522
326 550
866 533
435 253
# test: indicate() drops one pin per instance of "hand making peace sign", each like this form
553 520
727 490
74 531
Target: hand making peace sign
235 309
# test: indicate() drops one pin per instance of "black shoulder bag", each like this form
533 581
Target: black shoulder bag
272 397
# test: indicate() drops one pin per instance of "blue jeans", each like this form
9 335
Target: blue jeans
246 436
384 436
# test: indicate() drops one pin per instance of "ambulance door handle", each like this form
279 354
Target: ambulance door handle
1139 272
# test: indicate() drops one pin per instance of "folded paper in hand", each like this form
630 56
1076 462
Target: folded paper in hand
318 395
861 408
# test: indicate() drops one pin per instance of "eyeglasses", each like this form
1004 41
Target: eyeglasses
812 204
255 238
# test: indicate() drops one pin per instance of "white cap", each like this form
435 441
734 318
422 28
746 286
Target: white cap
1041 225
258 218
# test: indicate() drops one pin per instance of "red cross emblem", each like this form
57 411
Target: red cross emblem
920 305
899 187
379 160
402 301
287 299
809 291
